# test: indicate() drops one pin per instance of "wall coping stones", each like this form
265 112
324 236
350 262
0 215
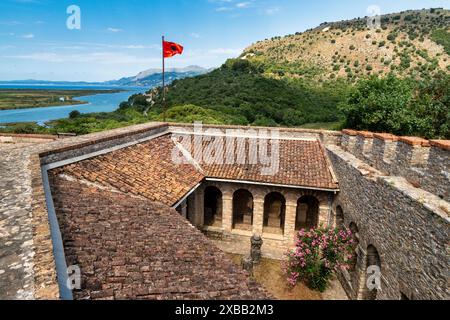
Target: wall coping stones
385 137
31 136
97 138
350 132
366 134
293 130
415 141
443 144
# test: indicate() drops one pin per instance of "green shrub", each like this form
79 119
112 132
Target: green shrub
74 114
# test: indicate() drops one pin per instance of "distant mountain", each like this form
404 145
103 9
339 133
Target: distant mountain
147 78
153 77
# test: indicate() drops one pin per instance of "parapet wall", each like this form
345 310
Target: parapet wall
408 226
425 164
326 137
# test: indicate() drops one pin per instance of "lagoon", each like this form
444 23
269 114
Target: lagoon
107 102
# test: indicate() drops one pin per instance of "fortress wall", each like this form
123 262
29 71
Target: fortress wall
425 164
408 226
326 137
98 142
26 138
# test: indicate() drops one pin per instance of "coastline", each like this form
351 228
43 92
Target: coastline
48 93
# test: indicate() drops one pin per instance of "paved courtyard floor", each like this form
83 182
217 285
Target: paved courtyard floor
269 274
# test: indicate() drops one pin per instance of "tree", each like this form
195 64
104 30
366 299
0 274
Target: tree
379 105
74 114
401 106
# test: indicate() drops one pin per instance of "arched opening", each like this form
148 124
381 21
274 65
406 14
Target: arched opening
307 213
274 213
372 259
339 218
213 207
243 210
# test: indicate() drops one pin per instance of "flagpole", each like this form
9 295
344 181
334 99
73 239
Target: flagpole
164 81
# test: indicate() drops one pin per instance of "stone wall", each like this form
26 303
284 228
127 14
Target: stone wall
26 138
425 164
326 137
407 225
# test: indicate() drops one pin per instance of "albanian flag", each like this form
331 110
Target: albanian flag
171 49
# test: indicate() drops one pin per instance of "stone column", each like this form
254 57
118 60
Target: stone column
199 208
289 221
324 213
258 215
191 208
227 211
360 274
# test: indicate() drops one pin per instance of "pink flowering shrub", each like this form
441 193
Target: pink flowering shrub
317 254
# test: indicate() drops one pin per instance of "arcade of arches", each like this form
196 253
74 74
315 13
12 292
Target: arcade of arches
231 213
238 211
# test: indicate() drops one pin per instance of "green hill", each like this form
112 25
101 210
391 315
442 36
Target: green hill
408 44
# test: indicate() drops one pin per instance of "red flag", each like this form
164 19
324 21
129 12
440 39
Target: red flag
171 49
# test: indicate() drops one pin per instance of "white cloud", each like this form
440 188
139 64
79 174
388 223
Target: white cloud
244 5
28 36
195 35
272 10
114 30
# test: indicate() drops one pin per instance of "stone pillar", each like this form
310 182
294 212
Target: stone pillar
199 208
258 215
360 273
227 211
324 213
289 222
191 208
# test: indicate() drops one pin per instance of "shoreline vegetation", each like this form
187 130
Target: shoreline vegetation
13 99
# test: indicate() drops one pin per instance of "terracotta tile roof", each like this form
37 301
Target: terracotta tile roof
144 170
129 248
147 170
302 163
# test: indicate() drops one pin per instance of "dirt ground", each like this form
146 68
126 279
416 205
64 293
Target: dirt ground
269 274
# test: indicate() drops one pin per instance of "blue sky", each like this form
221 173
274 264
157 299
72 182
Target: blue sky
122 37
